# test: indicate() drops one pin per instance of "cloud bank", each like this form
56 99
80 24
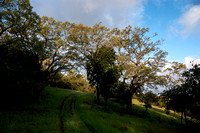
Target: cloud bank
188 23
113 13
189 61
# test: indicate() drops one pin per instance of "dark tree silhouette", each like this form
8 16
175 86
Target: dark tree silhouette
102 72
184 98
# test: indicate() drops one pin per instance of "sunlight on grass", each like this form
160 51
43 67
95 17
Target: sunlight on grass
158 110
80 113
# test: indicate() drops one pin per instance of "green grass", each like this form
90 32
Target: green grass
116 120
67 111
41 117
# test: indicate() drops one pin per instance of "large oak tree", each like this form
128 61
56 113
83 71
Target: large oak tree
140 59
57 53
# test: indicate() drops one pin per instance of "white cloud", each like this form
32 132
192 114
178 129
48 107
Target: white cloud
188 23
189 61
190 20
112 13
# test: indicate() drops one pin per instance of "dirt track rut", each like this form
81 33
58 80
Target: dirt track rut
67 110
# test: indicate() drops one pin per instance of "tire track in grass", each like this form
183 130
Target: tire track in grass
61 115
90 128
67 110
62 111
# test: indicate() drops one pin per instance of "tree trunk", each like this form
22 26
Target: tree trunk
106 102
133 88
145 110
98 93
181 117
185 119
129 103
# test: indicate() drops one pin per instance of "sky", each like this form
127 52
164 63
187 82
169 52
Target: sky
175 21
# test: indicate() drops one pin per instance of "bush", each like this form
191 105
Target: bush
72 80
21 77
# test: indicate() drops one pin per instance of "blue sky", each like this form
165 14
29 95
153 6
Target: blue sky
175 21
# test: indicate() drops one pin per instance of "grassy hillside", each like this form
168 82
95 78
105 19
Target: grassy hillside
67 111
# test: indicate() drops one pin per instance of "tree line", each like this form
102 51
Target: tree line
185 97
36 51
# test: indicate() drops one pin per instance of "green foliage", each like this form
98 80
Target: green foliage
101 70
57 55
148 98
76 81
21 73
87 40
19 24
162 102
139 60
192 84
72 80
184 98
20 79
120 92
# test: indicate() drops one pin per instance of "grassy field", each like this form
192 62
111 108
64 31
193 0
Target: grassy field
67 111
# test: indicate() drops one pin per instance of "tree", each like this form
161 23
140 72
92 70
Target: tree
102 72
192 83
148 98
107 70
184 98
71 80
21 80
110 79
21 73
19 25
57 55
177 100
87 41
139 60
